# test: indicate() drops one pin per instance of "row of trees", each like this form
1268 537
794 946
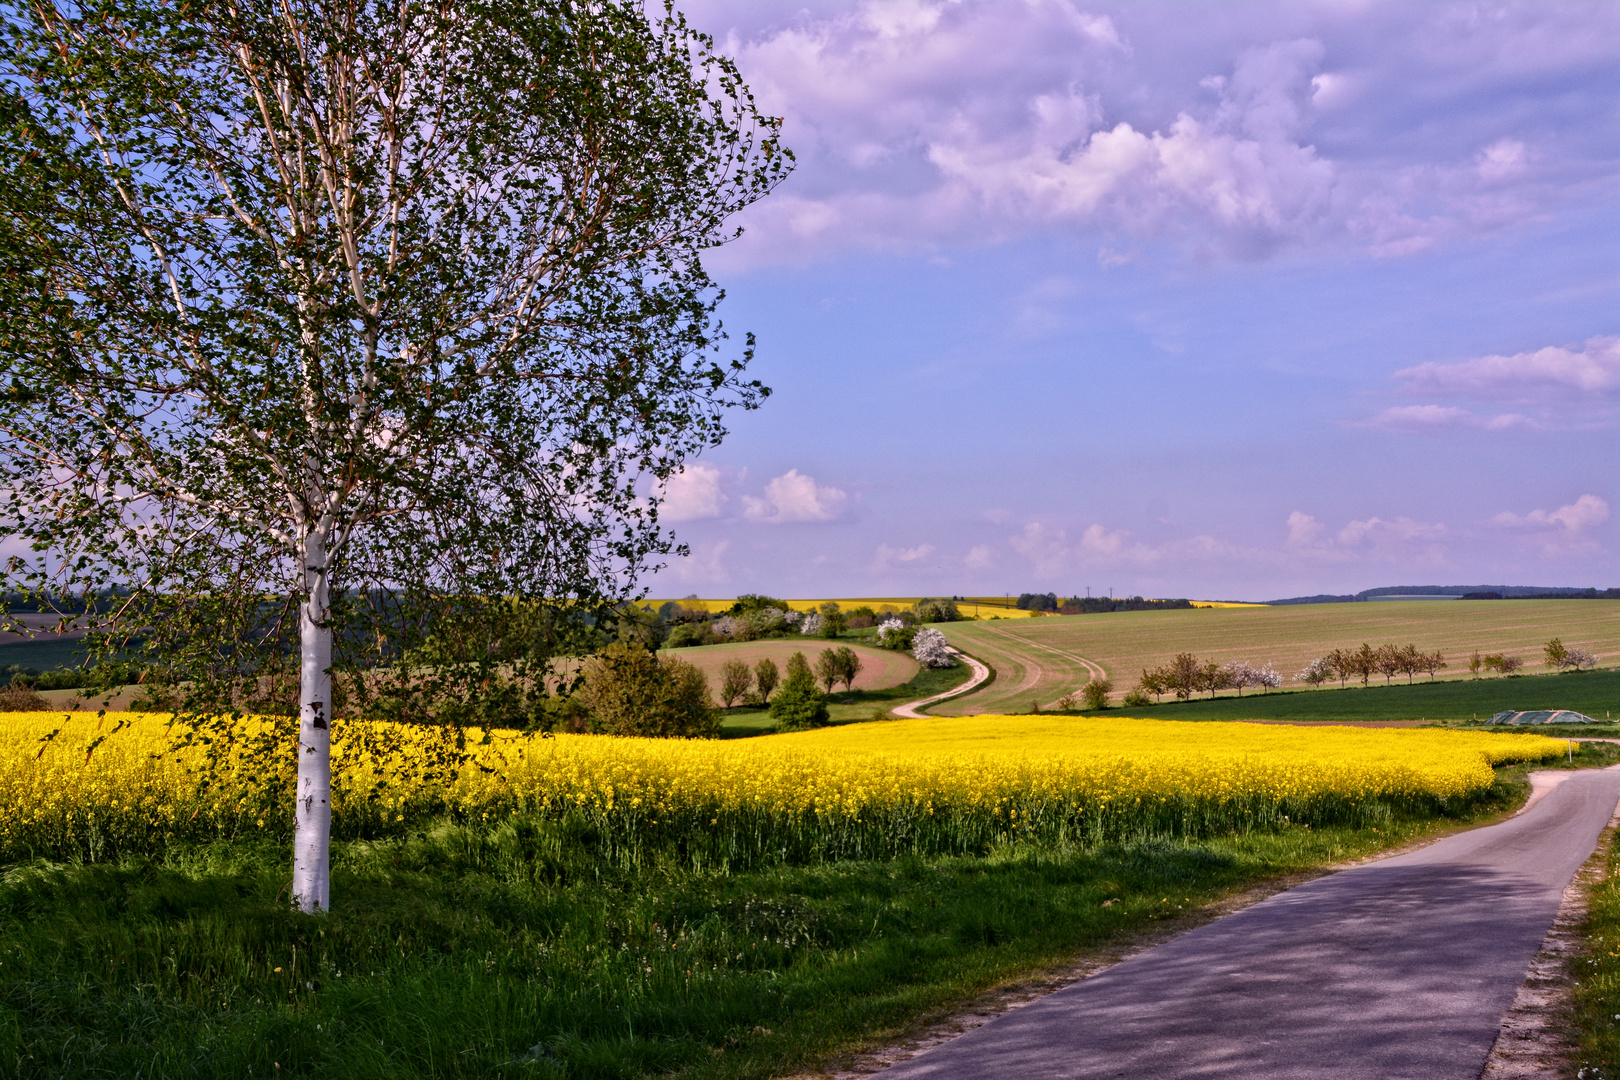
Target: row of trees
739 682
1563 657
1369 660
754 617
1187 675
1093 605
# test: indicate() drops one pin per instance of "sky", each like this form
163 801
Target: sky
1217 300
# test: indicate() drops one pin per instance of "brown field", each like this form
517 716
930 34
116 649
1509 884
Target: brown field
880 668
1039 660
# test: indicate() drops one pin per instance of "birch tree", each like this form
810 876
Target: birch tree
338 335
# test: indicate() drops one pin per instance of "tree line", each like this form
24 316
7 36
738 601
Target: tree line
1093 605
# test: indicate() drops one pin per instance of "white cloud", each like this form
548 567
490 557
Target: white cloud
1502 160
1376 531
980 557
1593 369
705 565
693 494
794 497
1578 516
892 558
1042 545
1422 418
1303 529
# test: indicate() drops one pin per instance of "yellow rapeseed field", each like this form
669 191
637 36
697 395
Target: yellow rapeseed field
79 785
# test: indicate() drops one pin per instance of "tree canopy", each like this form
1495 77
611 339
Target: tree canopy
335 332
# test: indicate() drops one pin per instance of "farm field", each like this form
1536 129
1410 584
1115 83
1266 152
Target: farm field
1595 693
1040 660
609 940
880 668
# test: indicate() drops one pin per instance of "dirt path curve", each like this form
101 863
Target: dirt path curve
1094 670
1400 968
909 711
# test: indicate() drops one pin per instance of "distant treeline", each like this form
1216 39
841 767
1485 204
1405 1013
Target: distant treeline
1093 605
1461 592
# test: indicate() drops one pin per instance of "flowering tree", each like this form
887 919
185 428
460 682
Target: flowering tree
931 650
1317 672
341 334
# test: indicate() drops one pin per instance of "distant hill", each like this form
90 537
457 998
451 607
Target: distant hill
1461 592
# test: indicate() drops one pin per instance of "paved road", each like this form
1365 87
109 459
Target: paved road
1398 968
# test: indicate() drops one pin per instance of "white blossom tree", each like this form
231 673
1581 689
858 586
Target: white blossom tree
930 649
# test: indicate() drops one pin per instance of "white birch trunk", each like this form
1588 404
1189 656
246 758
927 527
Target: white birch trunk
312 818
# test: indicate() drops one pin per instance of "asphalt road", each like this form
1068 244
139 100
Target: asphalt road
1397 968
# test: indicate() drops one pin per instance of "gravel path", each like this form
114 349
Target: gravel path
909 711
1394 969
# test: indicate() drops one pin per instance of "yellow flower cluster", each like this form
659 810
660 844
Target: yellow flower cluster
86 785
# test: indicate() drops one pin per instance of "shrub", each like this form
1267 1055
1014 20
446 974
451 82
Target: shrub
749 603
1037 601
765 678
810 625
628 691
930 649
799 705
736 679
687 634
833 621
862 617
1136 699
1096 693
896 635
19 697
930 610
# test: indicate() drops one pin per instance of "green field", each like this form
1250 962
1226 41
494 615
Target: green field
850 708
1595 693
1038 660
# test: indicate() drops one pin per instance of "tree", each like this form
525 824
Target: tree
1387 661
1433 662
799 705
849 666
1343 664
628 690
832 620
1364 662
1410 661
736 679
327 323
1183 675
765 678
1096 692
1317 672
829 668
1580 659
931 650
1557 655
1153 681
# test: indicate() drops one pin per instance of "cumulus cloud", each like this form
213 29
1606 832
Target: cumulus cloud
794 497
705 565
1043 545
920 122
979 557
895 558
1580 515
1592 369
693 494
1373 539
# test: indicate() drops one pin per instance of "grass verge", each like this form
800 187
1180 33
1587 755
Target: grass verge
505 951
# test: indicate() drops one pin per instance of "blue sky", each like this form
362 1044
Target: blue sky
1214 300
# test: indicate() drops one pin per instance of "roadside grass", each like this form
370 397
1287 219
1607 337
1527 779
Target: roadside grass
1126 642
513 950
1595 972
849 708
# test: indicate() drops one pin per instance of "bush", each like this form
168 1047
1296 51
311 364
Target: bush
799 705
930 649
1096 693
833 621
862 617
930 610
687 634
1136 699
628 691
895 634
1037 602
21 698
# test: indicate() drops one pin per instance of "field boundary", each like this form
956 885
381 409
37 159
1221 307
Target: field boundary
981 675
1094 670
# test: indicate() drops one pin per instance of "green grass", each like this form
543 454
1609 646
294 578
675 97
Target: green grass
1126 642
517 951
849 708
1595 693
1596 974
